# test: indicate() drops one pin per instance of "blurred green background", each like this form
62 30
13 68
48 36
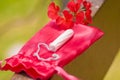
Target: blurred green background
20 19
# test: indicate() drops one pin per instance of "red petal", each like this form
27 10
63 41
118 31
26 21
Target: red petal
63 23
77 6
69 24
79 1
60 20
71 5
80 17
88 16
66 25
53 11
87 4
74 7
67 15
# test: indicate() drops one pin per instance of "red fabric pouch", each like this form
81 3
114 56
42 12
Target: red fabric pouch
25 60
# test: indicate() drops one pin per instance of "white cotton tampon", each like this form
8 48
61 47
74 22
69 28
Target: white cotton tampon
60 40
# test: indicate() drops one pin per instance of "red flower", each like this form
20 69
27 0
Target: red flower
78 12
53 11
65 21
73 6
88 17
80 17
87 6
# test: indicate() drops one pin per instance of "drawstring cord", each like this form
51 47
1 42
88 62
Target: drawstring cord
61 72
54 46
54 55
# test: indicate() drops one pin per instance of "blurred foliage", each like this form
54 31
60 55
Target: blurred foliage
13 21
114 71
19 20
12 28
